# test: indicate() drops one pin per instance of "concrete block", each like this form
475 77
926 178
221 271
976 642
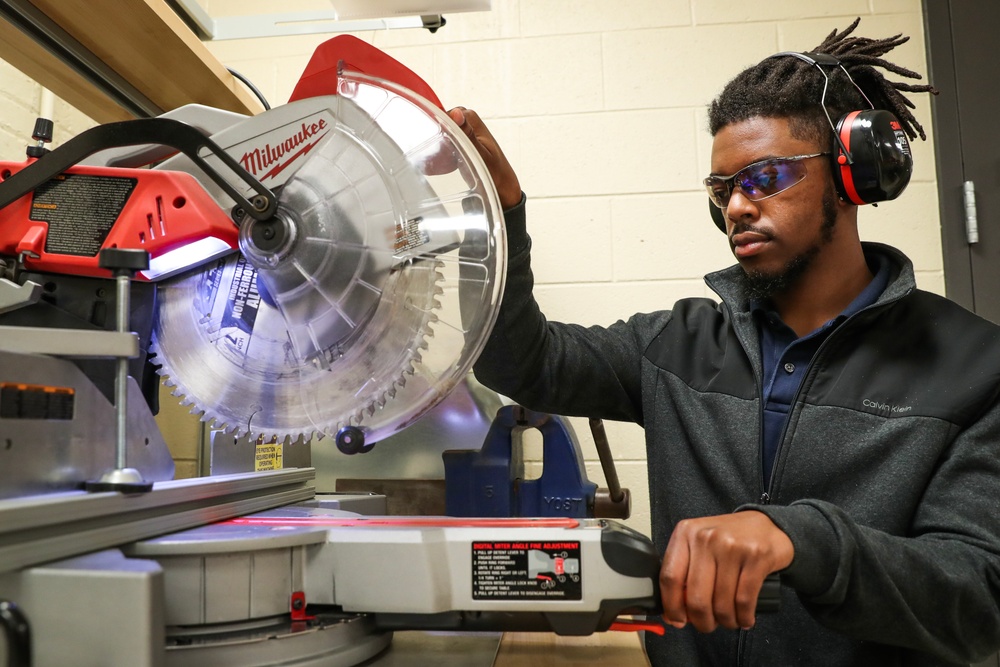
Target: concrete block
721 11
803 31
932 281
478 76
609 153
668 236
579 16
573 237
527 77
679 67
910 223
18 88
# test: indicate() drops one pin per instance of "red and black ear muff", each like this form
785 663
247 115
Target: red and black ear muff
871 155
718 217
872 161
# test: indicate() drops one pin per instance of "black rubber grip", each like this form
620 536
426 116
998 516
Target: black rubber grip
769 599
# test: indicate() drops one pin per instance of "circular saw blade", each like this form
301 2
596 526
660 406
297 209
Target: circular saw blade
228 352
394 290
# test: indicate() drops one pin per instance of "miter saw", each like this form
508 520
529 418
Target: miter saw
328 269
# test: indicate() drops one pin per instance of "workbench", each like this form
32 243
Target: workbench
511 649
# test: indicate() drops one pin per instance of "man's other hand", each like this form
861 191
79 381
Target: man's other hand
715 566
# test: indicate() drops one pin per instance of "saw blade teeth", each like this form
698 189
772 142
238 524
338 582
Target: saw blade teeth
421 309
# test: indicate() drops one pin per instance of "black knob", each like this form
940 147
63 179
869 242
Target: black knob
351 440
43 130
42 134
123 261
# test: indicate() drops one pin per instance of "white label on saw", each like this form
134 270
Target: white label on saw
526 570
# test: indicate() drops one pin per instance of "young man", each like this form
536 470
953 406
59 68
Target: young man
827 420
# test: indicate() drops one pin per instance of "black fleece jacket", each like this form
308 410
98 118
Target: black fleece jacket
887 477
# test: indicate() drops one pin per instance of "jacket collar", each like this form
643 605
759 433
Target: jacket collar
728 284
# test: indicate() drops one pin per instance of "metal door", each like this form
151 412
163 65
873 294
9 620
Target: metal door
963 66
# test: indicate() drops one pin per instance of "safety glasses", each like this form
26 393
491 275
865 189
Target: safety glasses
759 180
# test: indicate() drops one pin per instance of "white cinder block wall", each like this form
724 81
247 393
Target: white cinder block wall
21 101
601 108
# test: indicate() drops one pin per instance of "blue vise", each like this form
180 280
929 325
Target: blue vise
490 482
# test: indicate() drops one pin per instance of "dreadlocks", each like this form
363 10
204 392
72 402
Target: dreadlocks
789 87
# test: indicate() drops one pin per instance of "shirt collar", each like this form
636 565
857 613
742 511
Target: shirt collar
878 264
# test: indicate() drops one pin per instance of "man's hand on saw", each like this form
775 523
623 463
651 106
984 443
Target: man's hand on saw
715 566
504 178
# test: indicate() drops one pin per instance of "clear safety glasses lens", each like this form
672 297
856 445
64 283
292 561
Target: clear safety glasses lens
759 180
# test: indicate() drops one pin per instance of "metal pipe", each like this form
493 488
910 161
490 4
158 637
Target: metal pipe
121 378
607 461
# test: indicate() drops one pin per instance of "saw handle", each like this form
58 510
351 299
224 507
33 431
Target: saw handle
162 131
768 601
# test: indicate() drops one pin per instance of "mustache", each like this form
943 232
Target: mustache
742 227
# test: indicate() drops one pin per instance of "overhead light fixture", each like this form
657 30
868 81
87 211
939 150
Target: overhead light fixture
344 16
375 9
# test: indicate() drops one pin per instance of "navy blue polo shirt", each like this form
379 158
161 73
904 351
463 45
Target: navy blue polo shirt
786 358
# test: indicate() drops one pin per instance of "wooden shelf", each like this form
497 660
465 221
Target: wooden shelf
142 41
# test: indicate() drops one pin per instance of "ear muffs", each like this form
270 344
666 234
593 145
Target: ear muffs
871 154
872 161
718 217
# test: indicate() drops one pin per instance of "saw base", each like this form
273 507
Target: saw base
328 640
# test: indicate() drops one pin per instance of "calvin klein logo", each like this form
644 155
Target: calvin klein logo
885 407
277 157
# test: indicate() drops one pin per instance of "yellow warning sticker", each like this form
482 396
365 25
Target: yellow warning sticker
268 456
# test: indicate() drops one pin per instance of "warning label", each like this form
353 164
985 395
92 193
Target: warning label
410 236
268 456
80 211
526 570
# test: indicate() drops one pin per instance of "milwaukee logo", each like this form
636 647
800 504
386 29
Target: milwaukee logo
270 160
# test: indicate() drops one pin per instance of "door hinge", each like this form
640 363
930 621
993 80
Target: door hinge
971 221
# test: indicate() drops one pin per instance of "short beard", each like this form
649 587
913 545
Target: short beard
760 285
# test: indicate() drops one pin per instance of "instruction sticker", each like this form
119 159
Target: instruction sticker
80 210
526 570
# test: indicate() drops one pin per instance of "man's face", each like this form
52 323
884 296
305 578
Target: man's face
775 239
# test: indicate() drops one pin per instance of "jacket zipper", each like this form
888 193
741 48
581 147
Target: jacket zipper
765 496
